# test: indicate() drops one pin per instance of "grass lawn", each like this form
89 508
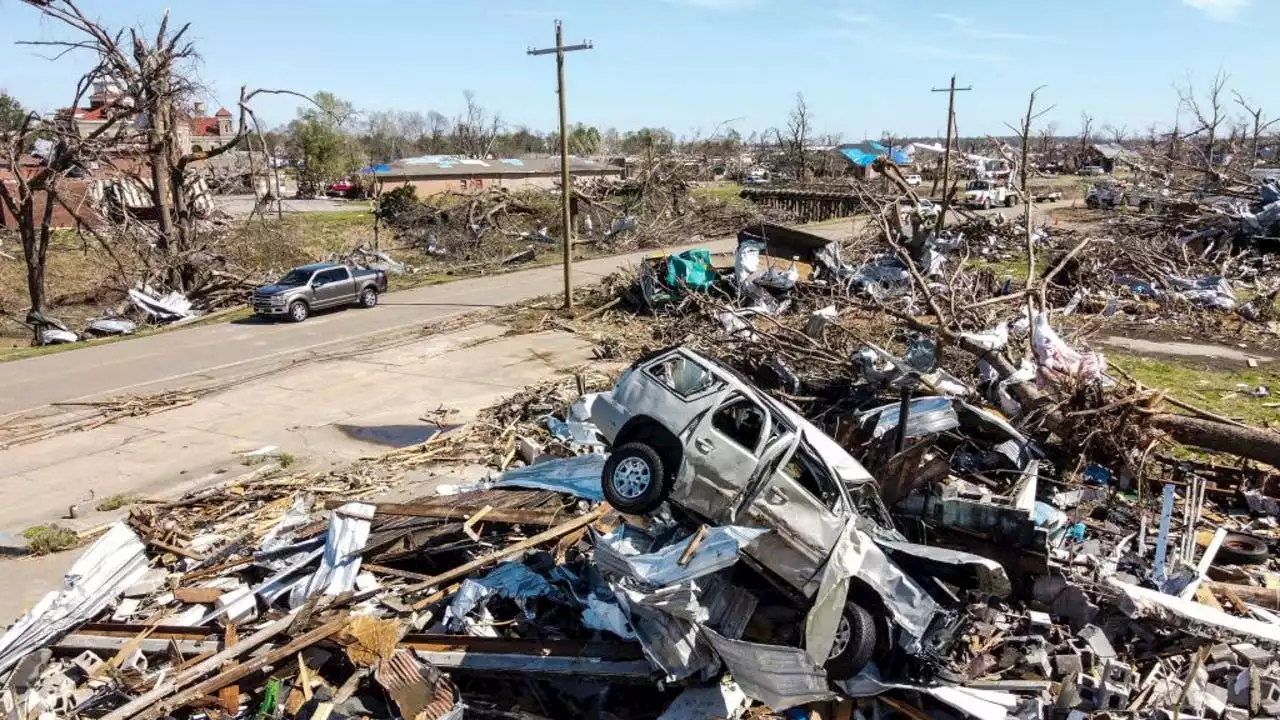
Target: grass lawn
1225 392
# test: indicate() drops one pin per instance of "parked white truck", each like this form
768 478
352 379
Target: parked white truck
986 194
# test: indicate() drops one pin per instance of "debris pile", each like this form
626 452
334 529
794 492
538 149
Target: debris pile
654 208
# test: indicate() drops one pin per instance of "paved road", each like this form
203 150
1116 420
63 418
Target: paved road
161 359
112 368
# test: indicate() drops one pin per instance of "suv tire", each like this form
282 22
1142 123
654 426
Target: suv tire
634 480
857 630
368 298
298 311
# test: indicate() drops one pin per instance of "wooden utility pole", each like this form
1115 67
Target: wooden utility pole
566 185
946 156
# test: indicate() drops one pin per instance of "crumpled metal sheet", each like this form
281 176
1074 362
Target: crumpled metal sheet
608 616
927 416
719 549
725 700
1144 602
857 555
578 476
671 644
778 676
511 580
117 560
340 563
972 702
991 576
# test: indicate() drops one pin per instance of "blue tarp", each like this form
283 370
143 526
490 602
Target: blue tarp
862 158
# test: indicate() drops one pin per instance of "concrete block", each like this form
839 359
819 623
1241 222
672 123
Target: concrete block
1215 700
1116 686
27 672
1250 654
1098 642
1220 670
1064 665
1235 713
1220 653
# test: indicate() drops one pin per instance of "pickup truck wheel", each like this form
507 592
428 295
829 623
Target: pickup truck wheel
1008 201
634 480
854 643
986 204
1091 203
368 298
298 311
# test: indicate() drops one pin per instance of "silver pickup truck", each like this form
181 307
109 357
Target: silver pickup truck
317 287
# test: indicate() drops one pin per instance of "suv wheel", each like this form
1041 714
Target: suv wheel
368 298
634 480
298 311
854 645
986 204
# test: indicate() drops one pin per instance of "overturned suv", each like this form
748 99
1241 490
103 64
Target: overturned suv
689 431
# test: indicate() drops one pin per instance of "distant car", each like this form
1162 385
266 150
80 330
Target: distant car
316 287
913 179
342 188
1092 170
1123 195
987 194
928 209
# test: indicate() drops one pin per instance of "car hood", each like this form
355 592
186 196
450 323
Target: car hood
268 290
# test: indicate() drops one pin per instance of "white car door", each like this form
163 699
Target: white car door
801 504
722 451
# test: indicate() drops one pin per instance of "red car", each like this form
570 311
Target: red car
342 188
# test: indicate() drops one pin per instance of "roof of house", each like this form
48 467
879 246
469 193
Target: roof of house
454 166
204 126
222 112
1111 151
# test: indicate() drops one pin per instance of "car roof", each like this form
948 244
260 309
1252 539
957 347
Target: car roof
846 466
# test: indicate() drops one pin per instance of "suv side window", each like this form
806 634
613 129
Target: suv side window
742 421
324 277
682 376
810 477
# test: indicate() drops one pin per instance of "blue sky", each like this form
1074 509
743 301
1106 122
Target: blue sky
865 66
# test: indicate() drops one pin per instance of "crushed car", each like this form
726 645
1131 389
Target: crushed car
688 431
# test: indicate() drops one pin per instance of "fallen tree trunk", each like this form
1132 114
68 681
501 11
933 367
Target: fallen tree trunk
1254 443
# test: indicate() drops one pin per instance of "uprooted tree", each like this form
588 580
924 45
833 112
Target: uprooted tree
138 148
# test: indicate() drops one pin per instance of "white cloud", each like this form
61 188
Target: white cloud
722 5
970 27
854 18
1220 10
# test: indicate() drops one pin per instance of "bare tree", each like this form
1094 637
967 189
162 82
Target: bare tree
1118 134
475 131
437 131
1047 136
797 137
1259 125
1153 136
1208 113
142 142
1086 131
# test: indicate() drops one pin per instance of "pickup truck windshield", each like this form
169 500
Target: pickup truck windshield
295 278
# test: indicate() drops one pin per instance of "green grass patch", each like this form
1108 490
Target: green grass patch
117 501
721 191
52 538
1217 391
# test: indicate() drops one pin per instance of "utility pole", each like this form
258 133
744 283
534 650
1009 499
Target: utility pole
566 186
946 156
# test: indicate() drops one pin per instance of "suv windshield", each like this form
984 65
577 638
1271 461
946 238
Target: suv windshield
979 185
295 277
